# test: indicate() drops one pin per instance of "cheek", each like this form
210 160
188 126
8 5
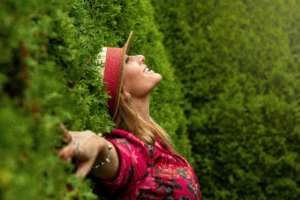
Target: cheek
130 79
127 77
130 74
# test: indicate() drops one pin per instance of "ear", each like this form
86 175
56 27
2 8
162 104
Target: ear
125 95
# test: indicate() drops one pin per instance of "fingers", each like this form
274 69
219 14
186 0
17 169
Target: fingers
66 133
72 149
68 136
68 152
62 126
81 146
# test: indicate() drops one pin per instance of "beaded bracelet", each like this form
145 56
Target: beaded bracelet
106 159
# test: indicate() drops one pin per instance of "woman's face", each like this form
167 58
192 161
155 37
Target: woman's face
138 80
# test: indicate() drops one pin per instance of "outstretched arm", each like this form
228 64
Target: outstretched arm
93 150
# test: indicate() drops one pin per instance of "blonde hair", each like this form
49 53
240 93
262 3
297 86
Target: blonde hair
127 119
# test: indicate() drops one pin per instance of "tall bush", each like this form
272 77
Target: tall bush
241 76
48 75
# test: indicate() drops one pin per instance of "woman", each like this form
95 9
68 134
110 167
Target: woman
136 160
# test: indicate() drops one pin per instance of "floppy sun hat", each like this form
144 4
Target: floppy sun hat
114 60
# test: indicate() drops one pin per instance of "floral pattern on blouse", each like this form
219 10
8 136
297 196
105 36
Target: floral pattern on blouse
149 172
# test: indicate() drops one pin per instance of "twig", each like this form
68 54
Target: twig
87 62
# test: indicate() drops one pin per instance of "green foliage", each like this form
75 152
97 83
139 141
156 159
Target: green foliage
238 62
36 51
48 75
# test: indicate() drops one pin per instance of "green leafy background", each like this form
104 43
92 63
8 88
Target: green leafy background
229 96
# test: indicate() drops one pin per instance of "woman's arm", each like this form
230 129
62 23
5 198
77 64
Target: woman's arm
93 150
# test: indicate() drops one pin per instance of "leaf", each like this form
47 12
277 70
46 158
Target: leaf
176 185
168 190
190 189
159 187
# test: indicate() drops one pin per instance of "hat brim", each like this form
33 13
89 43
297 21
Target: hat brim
125 51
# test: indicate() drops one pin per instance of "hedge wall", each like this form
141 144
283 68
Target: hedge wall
48 76
239 64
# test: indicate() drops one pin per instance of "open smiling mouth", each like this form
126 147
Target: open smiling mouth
146 70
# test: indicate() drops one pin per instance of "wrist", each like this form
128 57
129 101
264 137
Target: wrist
104 152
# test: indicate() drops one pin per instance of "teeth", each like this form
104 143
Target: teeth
146 71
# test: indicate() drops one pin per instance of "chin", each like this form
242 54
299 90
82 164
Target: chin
159 77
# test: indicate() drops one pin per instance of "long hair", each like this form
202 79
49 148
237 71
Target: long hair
127 119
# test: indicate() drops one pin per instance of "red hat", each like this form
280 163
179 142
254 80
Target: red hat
114 59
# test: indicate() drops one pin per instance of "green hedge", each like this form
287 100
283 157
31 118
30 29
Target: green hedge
239 64
46 79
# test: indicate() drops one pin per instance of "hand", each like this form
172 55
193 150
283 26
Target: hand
84 147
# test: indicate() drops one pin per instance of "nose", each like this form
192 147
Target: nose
141 59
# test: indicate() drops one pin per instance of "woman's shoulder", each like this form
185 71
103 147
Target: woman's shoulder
119 134
127 142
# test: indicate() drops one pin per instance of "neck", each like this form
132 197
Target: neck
141 107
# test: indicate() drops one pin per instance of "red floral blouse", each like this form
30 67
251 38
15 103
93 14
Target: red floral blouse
149 172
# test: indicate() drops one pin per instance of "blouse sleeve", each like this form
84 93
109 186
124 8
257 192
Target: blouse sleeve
133 161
